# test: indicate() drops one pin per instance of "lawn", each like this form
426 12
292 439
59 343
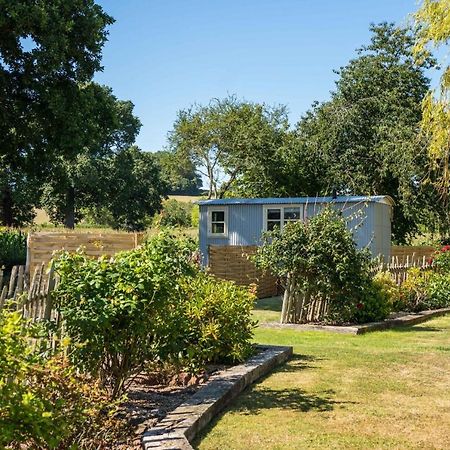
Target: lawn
387 389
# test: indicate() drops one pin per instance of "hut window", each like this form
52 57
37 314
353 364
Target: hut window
217 223
273 218
278 216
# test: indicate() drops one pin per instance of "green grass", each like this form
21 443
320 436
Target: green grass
384 390
268 309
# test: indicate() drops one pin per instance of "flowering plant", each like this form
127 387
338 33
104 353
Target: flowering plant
441 260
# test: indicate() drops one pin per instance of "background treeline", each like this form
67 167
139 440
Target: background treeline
67 143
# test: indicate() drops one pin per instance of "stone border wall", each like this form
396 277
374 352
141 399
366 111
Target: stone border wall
182 425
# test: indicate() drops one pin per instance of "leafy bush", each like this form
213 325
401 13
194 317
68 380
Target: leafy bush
438 291
175 214
319 258
151 303
377 301
13 248
115 310
425 289
217 321
45 403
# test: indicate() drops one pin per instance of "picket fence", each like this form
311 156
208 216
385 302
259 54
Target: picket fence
33 298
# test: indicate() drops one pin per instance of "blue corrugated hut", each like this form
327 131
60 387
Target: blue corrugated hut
240 221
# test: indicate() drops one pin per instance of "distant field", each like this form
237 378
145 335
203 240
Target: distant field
41 217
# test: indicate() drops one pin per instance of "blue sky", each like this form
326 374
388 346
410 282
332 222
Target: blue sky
165 55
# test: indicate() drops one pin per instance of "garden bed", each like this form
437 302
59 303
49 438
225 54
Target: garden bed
398 320
182 424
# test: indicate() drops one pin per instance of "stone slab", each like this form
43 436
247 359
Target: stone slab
406 320
180 427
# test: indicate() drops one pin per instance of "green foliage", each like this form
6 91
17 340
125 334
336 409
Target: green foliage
433 31
227 141
195 216
101 126
45 403
52 47
135 190
115 311
371 121
149 304
179 172
425 289
13 248
377 300
318 258
217 321
175 214
441 260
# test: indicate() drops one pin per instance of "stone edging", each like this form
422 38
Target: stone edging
181 426
407 320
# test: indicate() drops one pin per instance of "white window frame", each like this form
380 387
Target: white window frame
282 208
223 209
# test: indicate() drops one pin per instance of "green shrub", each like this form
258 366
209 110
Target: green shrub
116 311
149 304
175 214
437 292
217 321
377 300
318 258
13 248
44 403
195 216
425 289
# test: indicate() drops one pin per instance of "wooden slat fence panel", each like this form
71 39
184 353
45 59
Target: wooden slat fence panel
232 263
411 254
42 245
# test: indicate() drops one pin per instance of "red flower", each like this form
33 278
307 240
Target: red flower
445 248
430 261
359 305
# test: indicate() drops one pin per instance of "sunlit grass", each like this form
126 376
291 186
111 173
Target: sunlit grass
388 390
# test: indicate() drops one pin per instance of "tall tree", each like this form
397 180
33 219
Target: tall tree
100 126
179 172
433 31
134 188
366 136
227 139
46 49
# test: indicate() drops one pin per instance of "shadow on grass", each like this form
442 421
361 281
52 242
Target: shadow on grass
269 304
263 398
297 363
259 397
415 329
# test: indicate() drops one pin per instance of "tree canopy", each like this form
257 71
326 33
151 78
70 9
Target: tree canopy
179 172
227 140
365 139
47 49
432 22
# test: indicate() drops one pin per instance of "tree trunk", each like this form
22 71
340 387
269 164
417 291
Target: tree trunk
69 213
286 301
6 209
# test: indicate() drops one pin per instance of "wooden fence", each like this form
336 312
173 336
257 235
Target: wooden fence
32 299
42 245
411 254
233 263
